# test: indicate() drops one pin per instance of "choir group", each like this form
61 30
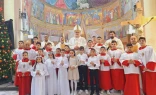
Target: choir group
45 69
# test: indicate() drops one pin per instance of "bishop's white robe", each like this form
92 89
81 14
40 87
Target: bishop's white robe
119 43
38 81
81 41
63 82
51 80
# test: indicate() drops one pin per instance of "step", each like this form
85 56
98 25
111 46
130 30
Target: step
8 87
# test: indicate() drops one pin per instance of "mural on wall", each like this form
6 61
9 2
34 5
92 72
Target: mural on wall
92 17
90 20
37 9
94 32
26 8
53 16
119 30
111 13
72 18
76 4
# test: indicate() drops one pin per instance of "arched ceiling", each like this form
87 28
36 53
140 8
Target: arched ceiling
77 4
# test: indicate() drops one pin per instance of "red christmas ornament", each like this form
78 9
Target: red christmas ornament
6 77
2 46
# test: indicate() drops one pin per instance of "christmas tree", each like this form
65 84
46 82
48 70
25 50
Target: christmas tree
6 60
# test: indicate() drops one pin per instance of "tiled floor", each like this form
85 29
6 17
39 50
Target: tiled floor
16 93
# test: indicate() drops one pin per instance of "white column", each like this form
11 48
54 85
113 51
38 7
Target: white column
11 11
150 29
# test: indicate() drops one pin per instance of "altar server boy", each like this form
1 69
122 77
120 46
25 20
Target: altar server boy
93 65
117 72
17 56
48 49
104 73
148 57
31 52
99 44
63 83
23 73
131 62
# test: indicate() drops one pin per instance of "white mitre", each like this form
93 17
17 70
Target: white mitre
77 28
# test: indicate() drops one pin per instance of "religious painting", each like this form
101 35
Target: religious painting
92 17
126 5
71 18
2 7
111 13
94 32
37 9
26 8
53 16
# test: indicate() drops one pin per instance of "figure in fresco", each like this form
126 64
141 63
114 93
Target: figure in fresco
34 8
115 15
70 21
47 17
108 17
54 19
58 19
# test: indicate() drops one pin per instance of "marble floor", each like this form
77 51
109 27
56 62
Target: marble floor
16 93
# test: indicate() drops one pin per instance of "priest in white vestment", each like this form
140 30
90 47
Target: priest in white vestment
112 37
46 40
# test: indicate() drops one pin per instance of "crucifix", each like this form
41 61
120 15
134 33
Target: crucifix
139 22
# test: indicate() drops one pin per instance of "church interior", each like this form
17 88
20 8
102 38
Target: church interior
57 19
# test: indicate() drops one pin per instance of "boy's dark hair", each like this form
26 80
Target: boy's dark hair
58 49
39 43
40 49
35 37
62 49
113 41
98 37
112 32
89 40
142 38
67 46
21 41
49 44
103 47
25 52
129 44
92 49
81 48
